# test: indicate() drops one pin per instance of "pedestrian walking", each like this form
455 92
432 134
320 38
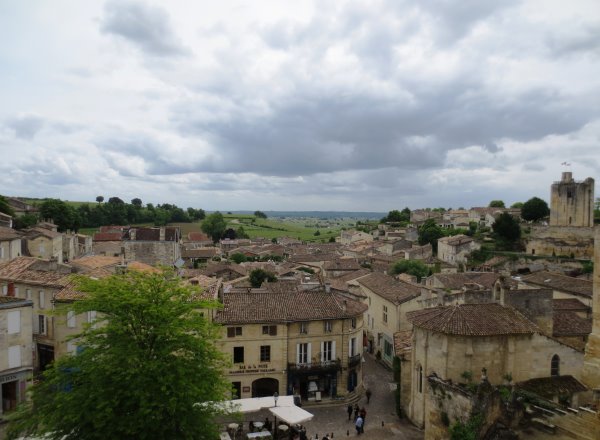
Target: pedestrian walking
359 425
349 411
363 416
356 411
368 394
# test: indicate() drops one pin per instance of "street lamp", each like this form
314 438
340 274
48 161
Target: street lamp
275 397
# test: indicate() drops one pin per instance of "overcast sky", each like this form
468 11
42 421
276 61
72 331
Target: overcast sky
298 105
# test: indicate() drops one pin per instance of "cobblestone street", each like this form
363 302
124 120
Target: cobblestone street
381 421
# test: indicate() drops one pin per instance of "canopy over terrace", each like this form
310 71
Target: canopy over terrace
285 410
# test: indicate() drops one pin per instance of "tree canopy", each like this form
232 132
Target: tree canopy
430 232
260 214
258 276
507 228
148 369
412 267
5 207
517 205
497 204
395 216
534 209
214 225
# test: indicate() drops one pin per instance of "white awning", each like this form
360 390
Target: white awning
291 414
254 404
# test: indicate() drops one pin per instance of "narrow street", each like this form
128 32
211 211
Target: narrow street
381 421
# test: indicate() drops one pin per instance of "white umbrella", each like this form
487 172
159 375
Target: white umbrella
291 414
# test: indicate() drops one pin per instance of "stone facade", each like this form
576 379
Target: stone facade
591 364
16 363
561 241
154 253
572 203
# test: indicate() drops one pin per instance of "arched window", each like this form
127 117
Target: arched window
420 379
555 366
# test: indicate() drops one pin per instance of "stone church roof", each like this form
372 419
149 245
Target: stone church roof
473 320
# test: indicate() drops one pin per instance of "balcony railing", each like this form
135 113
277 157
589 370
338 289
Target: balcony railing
353 361
315 366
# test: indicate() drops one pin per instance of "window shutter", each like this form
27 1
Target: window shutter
309 356
298 353
14 356
322 351
14 322
71 319
36 325
350 347
333 358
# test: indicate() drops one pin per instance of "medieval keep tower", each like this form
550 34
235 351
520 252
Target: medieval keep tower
572 203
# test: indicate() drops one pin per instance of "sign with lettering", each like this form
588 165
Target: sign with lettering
9 378
252 369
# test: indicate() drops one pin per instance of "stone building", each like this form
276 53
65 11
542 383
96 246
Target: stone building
456 249
16 364
10 244
591 362
388 300
571 221
292 341
571 202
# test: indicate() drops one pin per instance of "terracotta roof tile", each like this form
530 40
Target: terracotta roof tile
569 304
473 320
287 305
390 288
9 302
30 270
198 236
561 282
568 323
403 342
342 264
108 236
8 234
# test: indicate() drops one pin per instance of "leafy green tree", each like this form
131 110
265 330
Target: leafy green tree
25 221
137 202
430 232
395 216
196 214
149 369
497 204
241 233
517 205
100 199
63 215
5 207
412 267
260 214
238 258
317 233
214 225
258 276
534 209
507 228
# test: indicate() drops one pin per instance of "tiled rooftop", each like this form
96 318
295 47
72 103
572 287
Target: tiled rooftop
23 269
568 323
286 305
473 320
390 288
561 282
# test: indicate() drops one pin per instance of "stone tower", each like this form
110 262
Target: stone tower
591 362
572 203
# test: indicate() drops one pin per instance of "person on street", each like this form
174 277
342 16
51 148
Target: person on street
349 411
363 416
368 394
359 425
356 411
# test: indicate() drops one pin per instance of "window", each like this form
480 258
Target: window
71 347
28 294
238 355
352 347
304 327
385 313
42 248
353 323
420 379
71 319
42 299
236 393
303 353
91 317
4 289
14 322
270 330
14 356
41 324
1 252
265 353
327 351
328 326
232 332
555 366
387 349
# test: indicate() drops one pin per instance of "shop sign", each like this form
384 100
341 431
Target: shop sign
9 378
252 369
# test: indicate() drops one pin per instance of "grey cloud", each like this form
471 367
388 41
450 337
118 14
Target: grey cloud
145 26
25 127
577 40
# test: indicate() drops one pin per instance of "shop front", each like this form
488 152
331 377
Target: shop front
12 389
256 380
314 382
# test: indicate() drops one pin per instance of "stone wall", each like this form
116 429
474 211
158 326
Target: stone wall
591 364
571 202
561 241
